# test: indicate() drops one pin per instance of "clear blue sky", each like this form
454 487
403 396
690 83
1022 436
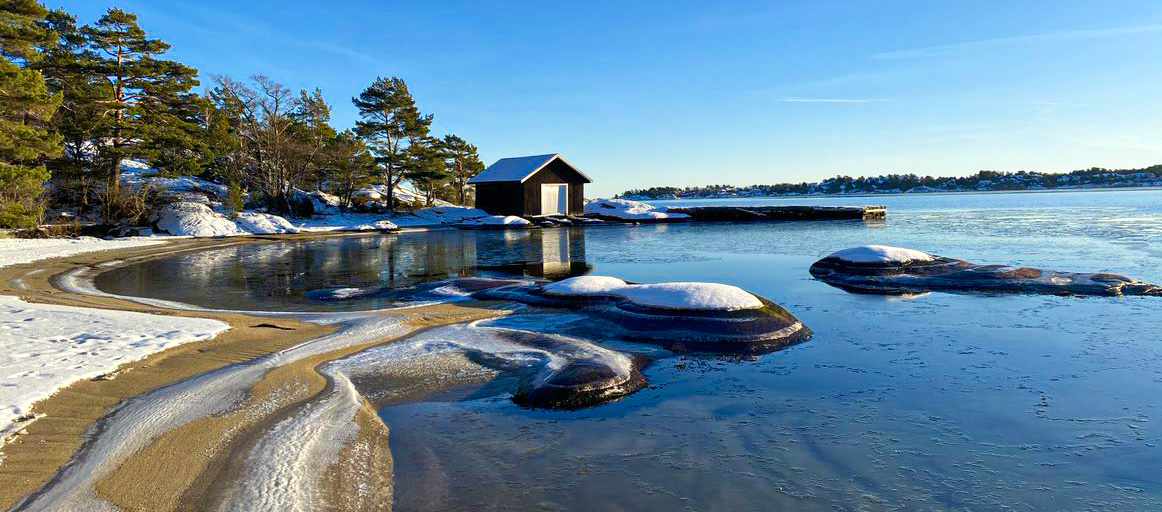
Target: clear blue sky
690 93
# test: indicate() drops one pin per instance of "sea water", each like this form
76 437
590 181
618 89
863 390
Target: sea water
937 402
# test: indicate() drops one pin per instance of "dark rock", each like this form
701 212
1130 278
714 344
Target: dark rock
746 331
953 275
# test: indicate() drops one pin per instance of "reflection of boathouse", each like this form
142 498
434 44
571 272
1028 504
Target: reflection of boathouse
531 185
549 253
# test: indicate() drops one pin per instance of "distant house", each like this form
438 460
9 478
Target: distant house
531 185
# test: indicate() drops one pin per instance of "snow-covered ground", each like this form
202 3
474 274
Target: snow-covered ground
497 221
14 251
628 210
196 209
46 347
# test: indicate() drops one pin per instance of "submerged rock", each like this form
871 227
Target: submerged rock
893 270
423 292
678 316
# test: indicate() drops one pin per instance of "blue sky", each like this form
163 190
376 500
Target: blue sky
690 93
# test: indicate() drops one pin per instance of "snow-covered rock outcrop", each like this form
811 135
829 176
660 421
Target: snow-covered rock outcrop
449 214
880 254
264 224
624 209
378 225
686 296
679 316
199 221
135 173
196 220
895 270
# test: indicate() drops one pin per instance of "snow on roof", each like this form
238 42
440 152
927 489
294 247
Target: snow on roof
519 169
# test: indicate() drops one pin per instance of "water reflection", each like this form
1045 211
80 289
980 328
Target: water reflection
277 277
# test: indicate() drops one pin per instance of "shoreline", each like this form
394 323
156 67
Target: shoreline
195 455
905 194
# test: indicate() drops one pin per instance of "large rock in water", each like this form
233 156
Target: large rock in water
893 270
706 317
585 374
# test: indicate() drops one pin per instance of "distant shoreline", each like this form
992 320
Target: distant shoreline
913 194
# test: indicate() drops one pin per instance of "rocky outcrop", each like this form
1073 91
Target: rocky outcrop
198 220
704 317
892 270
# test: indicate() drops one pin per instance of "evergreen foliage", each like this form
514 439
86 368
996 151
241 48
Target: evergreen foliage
463 163
150 110
119 99
26 106
391 123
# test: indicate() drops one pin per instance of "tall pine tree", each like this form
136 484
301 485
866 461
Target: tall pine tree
26 106
391 122
149 108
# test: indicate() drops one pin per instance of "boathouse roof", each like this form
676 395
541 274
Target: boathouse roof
518 169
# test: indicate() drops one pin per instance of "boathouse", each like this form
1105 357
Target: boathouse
531 185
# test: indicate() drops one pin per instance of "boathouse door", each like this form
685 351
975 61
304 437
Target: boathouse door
555 199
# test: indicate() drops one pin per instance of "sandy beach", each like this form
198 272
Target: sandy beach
201 458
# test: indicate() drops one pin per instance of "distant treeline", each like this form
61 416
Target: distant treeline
1095 177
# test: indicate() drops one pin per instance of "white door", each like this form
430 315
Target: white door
555 199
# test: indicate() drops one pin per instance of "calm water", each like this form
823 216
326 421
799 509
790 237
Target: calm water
940 402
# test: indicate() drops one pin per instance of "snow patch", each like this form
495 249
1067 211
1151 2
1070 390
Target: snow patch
14 251
264 224
47 347
585 285
196 220
200 221
628 210
881 254
699 296
497 220
136 173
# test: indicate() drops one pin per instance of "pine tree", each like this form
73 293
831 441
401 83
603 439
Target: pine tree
463 163
66 64
150 105
312 115
391 123
26 105
425 166
349 166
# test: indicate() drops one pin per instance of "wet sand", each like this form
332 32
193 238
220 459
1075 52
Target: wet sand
197 458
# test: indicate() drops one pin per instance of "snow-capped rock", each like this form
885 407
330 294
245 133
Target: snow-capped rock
688 296
196 220
136 173
892 270
625 209
199 221
880 254
379 225
264 224
450 214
